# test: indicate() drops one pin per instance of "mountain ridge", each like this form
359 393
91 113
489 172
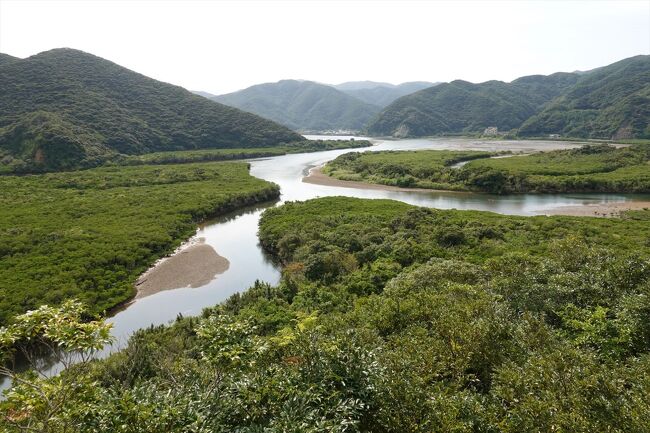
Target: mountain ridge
383 94
65 109
612 101
303 105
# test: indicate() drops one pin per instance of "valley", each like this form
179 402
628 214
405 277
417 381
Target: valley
466 255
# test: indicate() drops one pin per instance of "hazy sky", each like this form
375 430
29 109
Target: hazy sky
224 46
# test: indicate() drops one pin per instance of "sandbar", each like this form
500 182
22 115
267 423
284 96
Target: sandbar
193 265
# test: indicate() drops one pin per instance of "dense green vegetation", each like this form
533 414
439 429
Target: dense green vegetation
381 94
230 154
608 102
65 109
303 105
6 58
392 318
463 107
90 234
420 169
592 168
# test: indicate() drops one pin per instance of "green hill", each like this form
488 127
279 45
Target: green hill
381 94
64 109
461 106
303 105
609 102
6 58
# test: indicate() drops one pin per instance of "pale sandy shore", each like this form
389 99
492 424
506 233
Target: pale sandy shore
193 265
604 210
317 177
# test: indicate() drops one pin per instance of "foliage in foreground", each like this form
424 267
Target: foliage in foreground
392 318
420 169
90 234
592 168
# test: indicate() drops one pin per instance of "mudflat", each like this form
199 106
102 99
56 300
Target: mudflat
191 266
602 210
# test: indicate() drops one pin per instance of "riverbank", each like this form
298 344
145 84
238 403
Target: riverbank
603 210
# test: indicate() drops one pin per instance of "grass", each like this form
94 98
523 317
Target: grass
89 234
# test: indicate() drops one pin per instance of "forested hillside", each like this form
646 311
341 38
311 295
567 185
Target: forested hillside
461 106
608 102
381 94
64 109
303 105
6 58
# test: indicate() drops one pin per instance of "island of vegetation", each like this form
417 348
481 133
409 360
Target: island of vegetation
591 168
388 318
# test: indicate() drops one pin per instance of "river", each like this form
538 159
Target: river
234 236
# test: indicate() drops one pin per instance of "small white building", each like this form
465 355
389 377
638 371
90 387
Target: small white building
491 131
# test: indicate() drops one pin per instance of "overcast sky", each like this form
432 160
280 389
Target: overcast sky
225 46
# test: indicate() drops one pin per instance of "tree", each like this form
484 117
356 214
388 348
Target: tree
62 335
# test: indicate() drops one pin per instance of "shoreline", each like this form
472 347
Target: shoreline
193 264
599 210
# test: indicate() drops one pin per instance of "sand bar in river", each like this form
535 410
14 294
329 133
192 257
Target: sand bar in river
193 265
603 210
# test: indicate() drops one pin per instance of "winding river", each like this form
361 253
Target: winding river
234 236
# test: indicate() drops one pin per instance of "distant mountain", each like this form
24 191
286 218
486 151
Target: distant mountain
204 94
303 105
608 102
64 109
461 106
6 58
381 94
360 85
